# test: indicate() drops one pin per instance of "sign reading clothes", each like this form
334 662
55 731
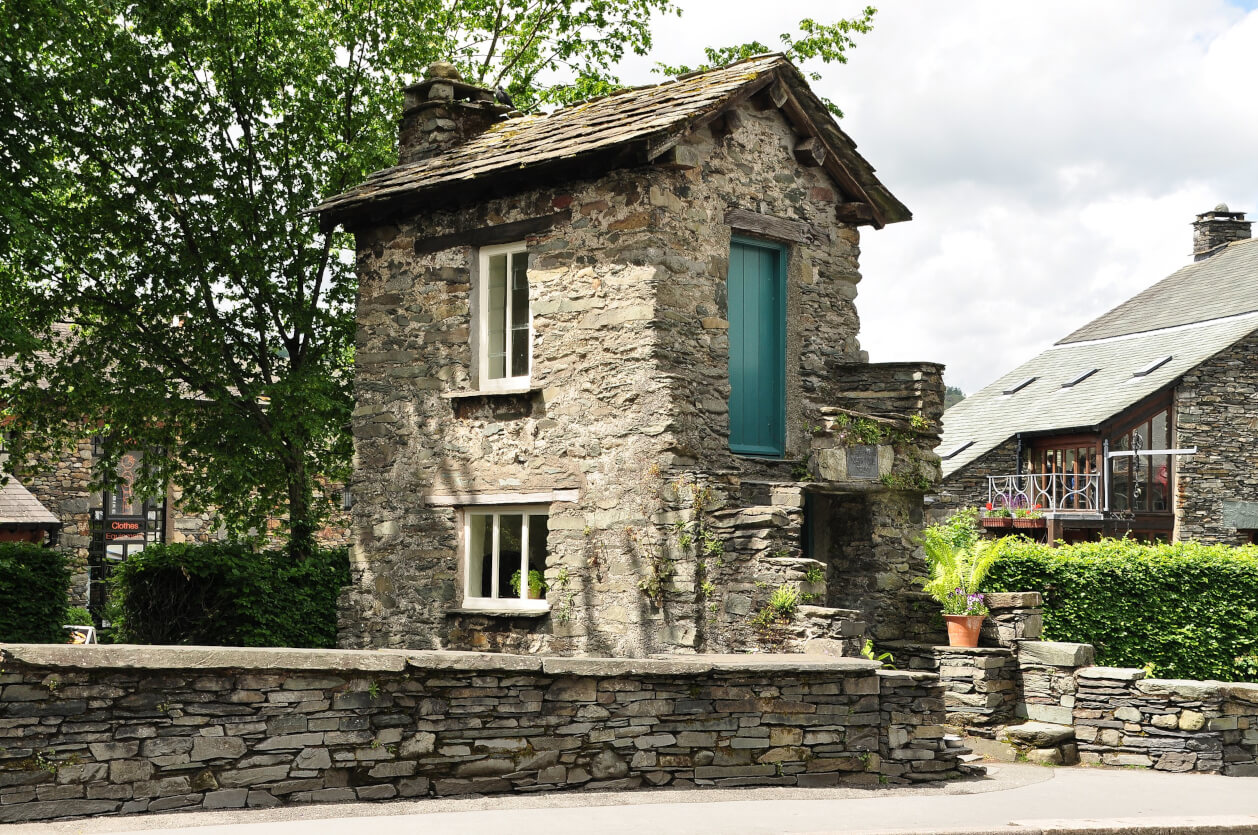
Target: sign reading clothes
124 529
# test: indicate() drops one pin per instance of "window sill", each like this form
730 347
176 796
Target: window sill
460 395
504 612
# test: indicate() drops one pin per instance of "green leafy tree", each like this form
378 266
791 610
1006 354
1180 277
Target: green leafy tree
157 158
824 42
156 163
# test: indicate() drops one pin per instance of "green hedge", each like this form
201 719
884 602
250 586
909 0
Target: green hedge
34 587
1189 610
224 594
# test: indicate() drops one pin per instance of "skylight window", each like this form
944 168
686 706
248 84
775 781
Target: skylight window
956 450
1079 379
1151 367
1020 386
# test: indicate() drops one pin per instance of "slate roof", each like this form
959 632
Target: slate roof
652 119
18 508
1190 316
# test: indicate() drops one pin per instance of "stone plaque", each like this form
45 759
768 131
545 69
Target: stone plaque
1241 515
862 462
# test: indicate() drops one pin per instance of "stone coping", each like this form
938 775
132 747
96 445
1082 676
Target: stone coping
134 657
1006 651
1013 600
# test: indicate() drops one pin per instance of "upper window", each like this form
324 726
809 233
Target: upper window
504 557
503 323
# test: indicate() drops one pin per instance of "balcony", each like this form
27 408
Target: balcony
1036 495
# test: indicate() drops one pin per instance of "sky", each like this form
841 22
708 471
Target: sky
1053 155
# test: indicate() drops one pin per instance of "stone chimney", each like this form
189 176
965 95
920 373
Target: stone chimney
1213 230
443 111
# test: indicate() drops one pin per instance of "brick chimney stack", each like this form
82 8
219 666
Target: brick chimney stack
1213 230
443 111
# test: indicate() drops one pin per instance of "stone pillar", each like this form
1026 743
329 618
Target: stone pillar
1015 616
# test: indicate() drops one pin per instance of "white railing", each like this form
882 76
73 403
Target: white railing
1046 492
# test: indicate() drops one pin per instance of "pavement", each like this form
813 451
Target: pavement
1014 799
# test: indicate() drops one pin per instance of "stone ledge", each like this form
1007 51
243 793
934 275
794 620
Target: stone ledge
136 657
1113 673
1055 653
129 657
501 613
1003 651
1187 688
1013 600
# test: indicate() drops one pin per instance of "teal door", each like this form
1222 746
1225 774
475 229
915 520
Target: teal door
757 348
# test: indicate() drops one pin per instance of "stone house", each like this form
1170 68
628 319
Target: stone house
1141 421
610 394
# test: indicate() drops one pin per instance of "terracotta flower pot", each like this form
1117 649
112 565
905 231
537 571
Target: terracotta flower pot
963 629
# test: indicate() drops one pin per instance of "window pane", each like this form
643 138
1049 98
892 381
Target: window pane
1121 487
480 556
519 314
509 531
1160 471
537 555
496 326
1161 434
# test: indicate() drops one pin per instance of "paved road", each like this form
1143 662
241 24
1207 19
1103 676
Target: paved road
1034 798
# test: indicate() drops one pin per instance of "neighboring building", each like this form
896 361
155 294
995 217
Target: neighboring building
1144 421
96 528
613 350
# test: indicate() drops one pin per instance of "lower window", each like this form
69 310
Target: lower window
505 558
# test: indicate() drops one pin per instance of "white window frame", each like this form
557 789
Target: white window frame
484 383
522 603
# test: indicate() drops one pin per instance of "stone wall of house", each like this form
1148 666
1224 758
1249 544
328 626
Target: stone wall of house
627 407
1214 408
967 487
121 730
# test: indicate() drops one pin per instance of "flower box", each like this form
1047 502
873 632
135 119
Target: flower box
996 522
1029 522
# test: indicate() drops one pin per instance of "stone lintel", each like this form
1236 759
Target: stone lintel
473 661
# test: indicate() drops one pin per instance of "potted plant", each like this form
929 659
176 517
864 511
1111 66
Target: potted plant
959 559
1028 518
996 517
537 584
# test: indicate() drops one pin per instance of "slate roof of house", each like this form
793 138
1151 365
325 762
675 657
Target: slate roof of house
1190 316
652 118
18 508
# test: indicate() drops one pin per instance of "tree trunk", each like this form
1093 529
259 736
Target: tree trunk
301 531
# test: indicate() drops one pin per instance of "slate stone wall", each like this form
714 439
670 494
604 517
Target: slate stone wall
1215 412
122 730
967 487
628 407
1121 718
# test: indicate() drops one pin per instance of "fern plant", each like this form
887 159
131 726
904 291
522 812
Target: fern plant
959 560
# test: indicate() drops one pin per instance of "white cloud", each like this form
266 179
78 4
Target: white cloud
1053 156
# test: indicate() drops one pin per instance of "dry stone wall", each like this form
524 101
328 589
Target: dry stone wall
627 406
121 730
1122 718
